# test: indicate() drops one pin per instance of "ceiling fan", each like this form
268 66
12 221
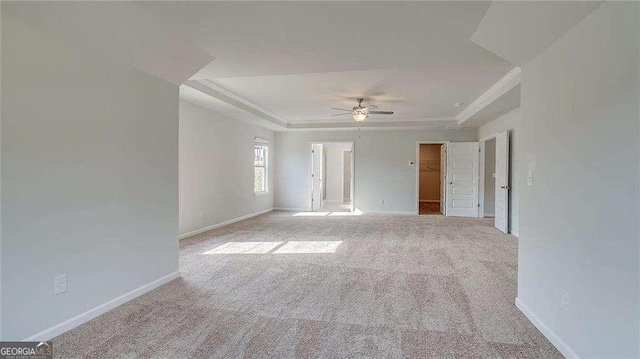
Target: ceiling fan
360 113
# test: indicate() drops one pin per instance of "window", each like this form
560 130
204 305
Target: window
261 173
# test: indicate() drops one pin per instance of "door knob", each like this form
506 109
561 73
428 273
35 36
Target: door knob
450 182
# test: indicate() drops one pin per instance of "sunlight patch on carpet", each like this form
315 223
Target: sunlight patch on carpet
244 248
309 247
311 214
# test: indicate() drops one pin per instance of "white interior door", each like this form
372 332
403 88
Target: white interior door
323 170
502 182
316 176
443 178
462 179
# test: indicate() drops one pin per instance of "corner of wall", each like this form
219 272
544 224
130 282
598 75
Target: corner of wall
560 344
1 281
203 175
142 114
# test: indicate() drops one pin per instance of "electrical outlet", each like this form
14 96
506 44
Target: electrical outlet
564 300
60 284
382 201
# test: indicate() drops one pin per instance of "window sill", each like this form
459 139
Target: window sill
260 194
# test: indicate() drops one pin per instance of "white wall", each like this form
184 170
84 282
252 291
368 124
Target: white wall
511 122
1 337
579 229
334 170
382 169
89 179
216 168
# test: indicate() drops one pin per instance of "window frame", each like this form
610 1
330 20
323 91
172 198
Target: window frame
265 147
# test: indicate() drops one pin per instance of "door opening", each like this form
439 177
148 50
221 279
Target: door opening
489 156
346 176
332 176
494 177
430 178
431 172
458 178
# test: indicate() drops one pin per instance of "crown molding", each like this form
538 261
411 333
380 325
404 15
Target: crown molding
425 124
506 83
376 120
209 88
277 123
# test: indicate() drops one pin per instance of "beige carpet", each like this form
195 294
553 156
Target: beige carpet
332 286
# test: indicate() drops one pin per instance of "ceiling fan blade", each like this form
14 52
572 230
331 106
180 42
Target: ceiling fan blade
340 109
381 112
341 114
371 105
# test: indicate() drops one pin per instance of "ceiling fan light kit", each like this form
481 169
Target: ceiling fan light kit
361 113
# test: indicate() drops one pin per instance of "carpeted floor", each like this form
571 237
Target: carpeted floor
283 285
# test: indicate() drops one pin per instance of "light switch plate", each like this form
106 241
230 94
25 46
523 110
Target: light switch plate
530 178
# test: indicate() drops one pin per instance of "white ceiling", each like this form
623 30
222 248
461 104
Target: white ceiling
285 64
519 30
299 59
120 30
281 38
414 94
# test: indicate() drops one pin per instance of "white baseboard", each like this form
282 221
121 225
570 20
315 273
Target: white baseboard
390 212
291 209
429 201
489 215
225 223
563 347
364 212
515 233
92 313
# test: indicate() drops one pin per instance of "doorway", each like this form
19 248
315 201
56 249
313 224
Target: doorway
494 179
489 210
458 178
430 180
332 176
